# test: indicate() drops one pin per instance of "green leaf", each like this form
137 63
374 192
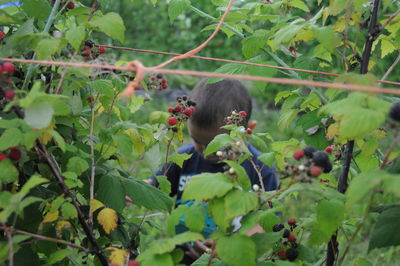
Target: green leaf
111 24
195 217
217 143
242 177
68 211
327 37
227 69
300 5
8 172
166 245
387 229
207 186
253 44
47 47
267 158
33 181
39 115
330 214
111 192
239 202
59 139
39 9
77 165
179 159
11 137
75 36
363 184
176 7
102 86
387 47
216 208
231 250
59 255
265 241
146 195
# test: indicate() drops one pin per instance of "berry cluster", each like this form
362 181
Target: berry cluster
286 248
231 152
6 69
181 112
157 82
13 153
314 163
237 118
90 51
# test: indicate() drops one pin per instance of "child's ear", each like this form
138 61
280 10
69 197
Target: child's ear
252 124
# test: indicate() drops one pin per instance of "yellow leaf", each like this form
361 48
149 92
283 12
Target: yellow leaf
117 256
95 205
108 219
333 130
46 137
60 226
50 217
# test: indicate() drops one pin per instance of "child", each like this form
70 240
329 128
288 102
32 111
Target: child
214 102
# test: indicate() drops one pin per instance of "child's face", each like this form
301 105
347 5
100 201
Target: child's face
203 136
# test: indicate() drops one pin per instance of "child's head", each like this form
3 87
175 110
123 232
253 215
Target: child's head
215 102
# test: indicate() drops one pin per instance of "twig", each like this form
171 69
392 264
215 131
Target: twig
10 244
390 19
260 178
390 69
93 167
45 238
395 141
201 46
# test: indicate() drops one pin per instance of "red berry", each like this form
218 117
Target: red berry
178 108
8 67
292 238
292 49
90 99
2 156
242 113
152 78
315 171
249 131
291 221
172 121
188 111
2 34
15 154
298 154
71 5
86 51
9 94
164 80
133 263
324 180
282 254
329 149
252 124
170 109
337 155
164 86
229 123
193 109
102 50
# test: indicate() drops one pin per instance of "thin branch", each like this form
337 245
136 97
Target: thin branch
10 245
390 69
395 141
390 19
260 178
45 238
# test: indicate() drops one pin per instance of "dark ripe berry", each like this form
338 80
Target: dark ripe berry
286 233
178 108
249 131
321 159
9 94
315 171
292 238
188 111
291 221
292 254
102 50
242 113
8 67
174 129
71 5
297 155
191 103
15 154
394 112
2 34
90 99
179 99
278 227
170 109
329 149
282 254
184 98
172 121
309 151
133 263
2 156
159 76
89 43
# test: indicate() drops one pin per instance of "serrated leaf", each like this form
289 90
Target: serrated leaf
111 192
195 217
230 250
11 137
217 143
386 231
207 186
252 45
117 256
108 219
58 256
179 159
68 211
95 205
300 5
8 172
327 37
75 36
239 202
39 9
176 7
50 217
102 86
77 165
387 47
47 47
111 24
241 174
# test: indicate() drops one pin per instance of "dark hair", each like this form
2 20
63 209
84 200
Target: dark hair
216 101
